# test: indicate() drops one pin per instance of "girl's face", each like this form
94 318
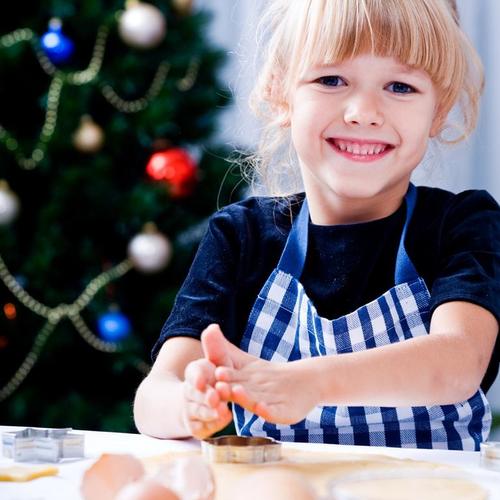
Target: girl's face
360 128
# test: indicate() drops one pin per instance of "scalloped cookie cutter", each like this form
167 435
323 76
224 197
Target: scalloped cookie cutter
241 449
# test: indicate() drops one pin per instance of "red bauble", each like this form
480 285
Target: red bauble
177 168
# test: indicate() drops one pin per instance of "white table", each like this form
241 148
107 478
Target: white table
65 486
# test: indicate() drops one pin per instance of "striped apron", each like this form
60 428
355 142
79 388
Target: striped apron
284 326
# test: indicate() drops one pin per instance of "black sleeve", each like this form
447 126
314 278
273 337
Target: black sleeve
469 256
469 261
208 291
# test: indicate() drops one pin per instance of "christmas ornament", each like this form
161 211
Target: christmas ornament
21 280
89 137
150 250
177 168
57 46
113 326
142 25
9 204
10 311
183 7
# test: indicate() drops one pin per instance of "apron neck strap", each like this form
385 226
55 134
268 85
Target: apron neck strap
294 254
405 270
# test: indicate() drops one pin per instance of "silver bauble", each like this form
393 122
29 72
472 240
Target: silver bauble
9 204
150 250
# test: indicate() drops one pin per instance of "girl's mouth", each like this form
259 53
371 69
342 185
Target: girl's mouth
362 151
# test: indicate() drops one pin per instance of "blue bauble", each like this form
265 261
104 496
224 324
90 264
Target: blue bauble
113 326
57 46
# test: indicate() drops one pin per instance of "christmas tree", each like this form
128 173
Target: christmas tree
108 173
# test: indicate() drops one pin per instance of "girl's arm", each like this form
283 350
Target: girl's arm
443 367
177 398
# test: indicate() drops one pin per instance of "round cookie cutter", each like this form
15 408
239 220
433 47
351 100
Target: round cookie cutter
241 449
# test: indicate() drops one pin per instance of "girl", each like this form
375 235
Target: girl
365 310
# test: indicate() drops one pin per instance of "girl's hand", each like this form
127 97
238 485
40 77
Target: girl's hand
277 392
281 393
204 411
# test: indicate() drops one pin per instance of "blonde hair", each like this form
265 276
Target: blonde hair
423 34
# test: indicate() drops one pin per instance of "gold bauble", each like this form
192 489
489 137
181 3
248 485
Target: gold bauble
183 7
89 137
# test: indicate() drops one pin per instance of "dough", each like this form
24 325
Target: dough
322 468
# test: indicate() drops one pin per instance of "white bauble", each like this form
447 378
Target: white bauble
9 204
142 25
150 251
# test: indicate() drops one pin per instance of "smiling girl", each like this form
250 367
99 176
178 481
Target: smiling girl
357 309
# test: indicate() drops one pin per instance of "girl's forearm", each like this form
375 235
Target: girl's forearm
158 407
435 369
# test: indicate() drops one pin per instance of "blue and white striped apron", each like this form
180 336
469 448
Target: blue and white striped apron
284 326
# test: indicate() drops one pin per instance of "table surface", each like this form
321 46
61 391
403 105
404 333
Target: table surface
65 486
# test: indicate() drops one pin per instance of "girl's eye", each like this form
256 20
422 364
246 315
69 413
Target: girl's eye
401 88
331 81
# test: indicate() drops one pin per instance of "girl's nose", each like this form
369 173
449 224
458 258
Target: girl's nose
365 111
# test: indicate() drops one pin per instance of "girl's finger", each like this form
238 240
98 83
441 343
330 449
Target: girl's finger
200 373
225 374
240 396
192 394
200 412
224 390
211 397
196 426
224 412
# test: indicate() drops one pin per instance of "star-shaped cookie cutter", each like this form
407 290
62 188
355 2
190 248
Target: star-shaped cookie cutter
42 445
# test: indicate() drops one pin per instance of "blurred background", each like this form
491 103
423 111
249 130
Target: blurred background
117 122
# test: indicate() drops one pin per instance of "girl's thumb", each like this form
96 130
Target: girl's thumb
216 346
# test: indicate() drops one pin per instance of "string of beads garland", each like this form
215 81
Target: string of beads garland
48 128
54 315
136 105
149 251
78 78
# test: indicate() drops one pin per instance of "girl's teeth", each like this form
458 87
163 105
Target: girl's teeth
357 149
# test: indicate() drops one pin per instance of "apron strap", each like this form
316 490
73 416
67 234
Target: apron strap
405 270
294 254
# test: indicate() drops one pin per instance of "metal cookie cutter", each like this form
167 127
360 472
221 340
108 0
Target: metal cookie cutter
241 449
490 455
42 445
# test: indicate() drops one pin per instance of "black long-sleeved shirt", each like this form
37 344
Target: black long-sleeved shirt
453 241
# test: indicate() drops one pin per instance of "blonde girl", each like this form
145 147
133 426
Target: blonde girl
357 309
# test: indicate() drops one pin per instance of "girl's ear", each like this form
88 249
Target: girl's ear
277 99
436 128
438 121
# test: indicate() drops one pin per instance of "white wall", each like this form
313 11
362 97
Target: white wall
233 28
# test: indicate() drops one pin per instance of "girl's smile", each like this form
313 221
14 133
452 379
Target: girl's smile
360 150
